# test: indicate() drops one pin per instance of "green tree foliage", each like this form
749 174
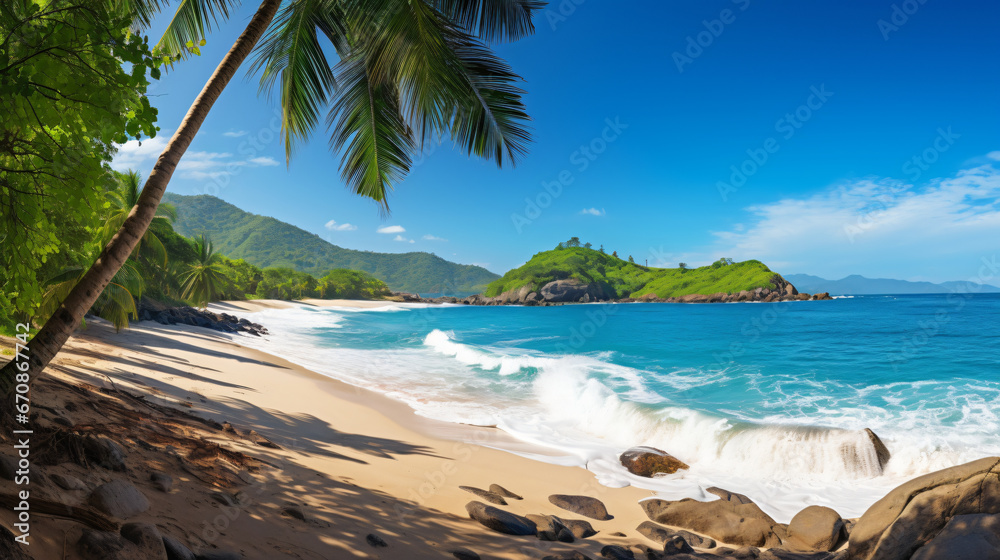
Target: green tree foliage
682 266
631 260
351 284
72 84
202 281
626 279
269 243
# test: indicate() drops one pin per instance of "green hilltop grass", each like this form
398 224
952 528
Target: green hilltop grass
626 279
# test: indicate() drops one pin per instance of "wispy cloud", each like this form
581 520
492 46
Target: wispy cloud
403 239
430 237
391 229
875 226
264 161
593 212
139 155
332 225
235 133
197 165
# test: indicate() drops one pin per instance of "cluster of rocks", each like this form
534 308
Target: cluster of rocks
224 322
571 290
952 514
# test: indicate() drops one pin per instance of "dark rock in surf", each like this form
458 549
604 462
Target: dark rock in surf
649 461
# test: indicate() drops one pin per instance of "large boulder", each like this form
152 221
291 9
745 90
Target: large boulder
965 537
583 505
500 520
728 522
920 511
648 461
119 498
815 529
100 545
571 290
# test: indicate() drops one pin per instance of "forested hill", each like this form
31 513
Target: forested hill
267 242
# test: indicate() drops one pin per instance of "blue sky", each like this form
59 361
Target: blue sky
820 137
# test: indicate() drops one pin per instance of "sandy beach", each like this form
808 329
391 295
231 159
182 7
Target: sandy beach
352 462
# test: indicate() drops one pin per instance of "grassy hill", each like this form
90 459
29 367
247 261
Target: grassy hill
626 279
267 242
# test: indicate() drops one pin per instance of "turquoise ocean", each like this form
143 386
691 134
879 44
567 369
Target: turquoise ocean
767 399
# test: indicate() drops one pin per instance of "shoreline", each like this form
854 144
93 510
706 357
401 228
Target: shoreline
308 466
405 477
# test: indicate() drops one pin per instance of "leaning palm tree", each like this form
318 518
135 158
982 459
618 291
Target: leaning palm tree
407 71
123 196
204 279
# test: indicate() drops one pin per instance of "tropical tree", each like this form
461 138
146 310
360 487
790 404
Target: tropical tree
203 280
123 196
408 71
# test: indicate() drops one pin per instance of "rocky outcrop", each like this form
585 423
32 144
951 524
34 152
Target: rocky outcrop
958 505
815 529
728 522
660 535
571 290
649 461
500 490
583 505
224 322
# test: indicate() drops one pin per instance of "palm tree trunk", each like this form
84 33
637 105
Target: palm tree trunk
57 330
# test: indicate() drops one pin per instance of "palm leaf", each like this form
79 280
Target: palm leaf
370 131
192 21
492 20
291 56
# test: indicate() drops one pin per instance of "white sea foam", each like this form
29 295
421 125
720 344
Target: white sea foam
810 450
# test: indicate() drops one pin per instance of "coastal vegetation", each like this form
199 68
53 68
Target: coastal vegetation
622 278
405 71
270 243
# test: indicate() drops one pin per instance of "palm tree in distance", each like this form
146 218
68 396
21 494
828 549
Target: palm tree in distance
203 280
408 71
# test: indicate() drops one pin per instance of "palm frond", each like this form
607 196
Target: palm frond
291 56
369 130
492 20
167 211
489 121
192 21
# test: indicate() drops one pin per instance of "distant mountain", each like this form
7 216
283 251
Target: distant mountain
859 285
267 242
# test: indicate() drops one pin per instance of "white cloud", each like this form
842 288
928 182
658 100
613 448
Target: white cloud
234 133
391 229
593 212
332 225
430 237
132 155
264 161
403 239
875 227
995 155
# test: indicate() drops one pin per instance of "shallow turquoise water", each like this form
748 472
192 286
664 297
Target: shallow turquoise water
765 397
